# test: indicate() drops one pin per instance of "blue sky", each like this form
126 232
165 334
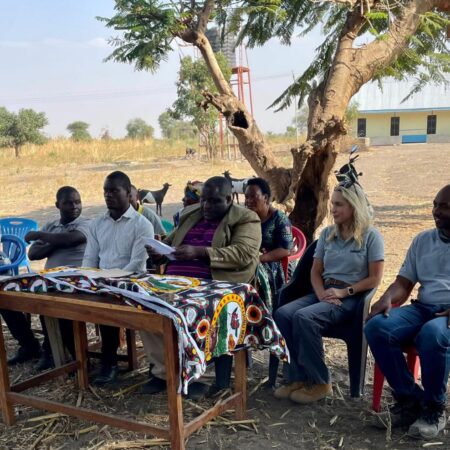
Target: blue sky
52 54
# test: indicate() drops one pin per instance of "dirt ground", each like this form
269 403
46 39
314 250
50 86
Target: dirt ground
400 181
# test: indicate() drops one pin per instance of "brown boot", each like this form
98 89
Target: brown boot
287 389
312 393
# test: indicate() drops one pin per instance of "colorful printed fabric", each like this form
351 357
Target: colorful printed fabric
211 317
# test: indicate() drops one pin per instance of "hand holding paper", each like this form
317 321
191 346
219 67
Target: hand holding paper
160 248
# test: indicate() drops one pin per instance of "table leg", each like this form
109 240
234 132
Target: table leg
7 407
131 349
174 398
79 332
56 343
240 383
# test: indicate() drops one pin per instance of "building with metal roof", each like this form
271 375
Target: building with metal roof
385 119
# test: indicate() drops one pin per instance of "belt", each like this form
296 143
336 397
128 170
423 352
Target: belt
333 282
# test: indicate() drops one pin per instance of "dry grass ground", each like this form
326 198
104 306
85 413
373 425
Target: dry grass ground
400 181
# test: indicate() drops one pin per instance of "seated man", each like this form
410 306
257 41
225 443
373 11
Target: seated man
62 242
214 240
147 212
425 322
116 240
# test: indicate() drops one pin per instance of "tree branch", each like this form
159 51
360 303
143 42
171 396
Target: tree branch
205 16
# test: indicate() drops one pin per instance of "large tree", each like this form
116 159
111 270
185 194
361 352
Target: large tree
24 127
194 78
407 39
174 128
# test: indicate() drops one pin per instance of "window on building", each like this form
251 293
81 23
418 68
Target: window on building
431 124
395 126
361 127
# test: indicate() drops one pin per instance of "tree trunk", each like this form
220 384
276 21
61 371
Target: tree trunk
17 151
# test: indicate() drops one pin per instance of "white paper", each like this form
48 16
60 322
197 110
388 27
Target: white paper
160 247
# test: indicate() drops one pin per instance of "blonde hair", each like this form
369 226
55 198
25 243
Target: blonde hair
362 212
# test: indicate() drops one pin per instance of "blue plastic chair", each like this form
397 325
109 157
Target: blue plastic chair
167 225
19 226
14 248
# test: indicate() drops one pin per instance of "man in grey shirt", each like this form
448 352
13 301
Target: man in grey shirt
425 323
147 212
116 240
62 242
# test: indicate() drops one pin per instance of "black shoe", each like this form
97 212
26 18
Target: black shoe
197 391
107 375
401 415
154 386
24 354
45 362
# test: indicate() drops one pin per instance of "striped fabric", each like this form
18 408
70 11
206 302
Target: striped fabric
200 235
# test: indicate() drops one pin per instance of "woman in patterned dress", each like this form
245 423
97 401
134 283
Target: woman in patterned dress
276 232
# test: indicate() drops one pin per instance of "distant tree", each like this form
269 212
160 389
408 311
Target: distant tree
194 78
351 113
79 131
172 128
22 128
139 129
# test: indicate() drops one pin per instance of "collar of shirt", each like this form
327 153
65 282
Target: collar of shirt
443 237
128 214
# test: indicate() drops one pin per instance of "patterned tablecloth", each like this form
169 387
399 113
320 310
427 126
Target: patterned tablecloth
212 318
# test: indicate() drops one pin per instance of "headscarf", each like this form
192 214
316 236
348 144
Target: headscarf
193 190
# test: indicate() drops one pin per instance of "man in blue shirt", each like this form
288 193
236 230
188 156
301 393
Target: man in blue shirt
425 322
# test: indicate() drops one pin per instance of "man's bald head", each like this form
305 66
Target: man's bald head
220 183
441 210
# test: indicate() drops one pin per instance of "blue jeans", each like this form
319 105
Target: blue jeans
302 323
412 324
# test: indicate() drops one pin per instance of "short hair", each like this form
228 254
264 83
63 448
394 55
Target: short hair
63 191
122 178
262 184
221 183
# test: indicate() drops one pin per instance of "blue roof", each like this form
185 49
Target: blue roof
372 100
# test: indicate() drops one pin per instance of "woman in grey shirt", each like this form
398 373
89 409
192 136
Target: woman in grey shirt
348 260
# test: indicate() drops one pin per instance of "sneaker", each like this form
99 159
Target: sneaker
311 393
107 375
401 414
154 386
429 424
24 354
45 362
287 389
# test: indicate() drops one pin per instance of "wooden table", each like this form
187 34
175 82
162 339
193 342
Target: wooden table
102 312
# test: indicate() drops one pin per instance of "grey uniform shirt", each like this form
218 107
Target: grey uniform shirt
154 219
428 263
70 256
118 244
345 260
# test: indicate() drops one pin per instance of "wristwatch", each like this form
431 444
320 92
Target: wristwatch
350 290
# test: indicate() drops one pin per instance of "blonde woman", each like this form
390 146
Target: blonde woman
348 260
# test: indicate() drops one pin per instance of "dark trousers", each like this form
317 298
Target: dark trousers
20 328
302 323
110 344
66 329
417 324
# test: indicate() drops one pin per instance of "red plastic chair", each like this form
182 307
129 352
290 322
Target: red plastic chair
298 249
413 362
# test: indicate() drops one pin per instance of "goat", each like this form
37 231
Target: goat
238 185
190 153
146 196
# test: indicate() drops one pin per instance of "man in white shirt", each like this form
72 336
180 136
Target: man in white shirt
116 240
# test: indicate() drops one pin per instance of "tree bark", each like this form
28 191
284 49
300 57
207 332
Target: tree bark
17 151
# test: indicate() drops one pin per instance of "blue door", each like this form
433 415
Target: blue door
414 139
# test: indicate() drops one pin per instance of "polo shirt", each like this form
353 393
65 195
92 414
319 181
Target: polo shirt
345 260
428 263
69 256
118 244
